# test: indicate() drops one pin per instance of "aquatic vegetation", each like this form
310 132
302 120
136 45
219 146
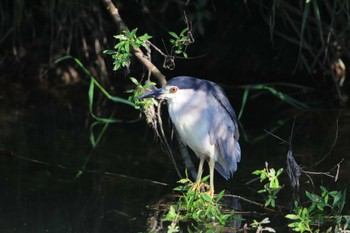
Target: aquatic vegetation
272 187
197 208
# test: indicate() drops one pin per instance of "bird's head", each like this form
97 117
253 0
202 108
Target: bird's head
178 89
166 92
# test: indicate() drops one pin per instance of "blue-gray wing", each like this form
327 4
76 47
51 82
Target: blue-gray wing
223 131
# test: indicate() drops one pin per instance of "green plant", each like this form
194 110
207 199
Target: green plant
274 91
273 185
139 90
180 42
196 207
324 210
301 219
320 35
260 226
127 41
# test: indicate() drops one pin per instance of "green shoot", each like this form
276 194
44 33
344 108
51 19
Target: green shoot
324 210
127 41
180 42
139 90
260 226
273 186
197 207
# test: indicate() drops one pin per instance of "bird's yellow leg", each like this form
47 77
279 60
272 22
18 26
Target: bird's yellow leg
211 170
197 186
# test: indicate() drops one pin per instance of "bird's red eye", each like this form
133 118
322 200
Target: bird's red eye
173 89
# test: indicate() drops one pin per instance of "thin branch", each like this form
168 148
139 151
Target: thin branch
250 201
335 177
79 170
274 135
157 49
165 141
114 12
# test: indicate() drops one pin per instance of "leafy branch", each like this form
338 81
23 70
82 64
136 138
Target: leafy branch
122 53
273 187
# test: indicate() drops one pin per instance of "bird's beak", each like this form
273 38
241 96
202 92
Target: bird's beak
153 94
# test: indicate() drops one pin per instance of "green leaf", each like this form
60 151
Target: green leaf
183 181
171 215
269 229
145 37
333 193
120 46
173 34
305 213
257 172
279 172
133 33
312 207
204 179
292 216
265 220
326 198
273 202
109 52
206 197
121 100
135 44
263 176
310 196
220 195
184 31
134 80
121 37
148 84
127 47
324 190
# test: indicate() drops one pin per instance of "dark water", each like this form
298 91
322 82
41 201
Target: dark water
43 148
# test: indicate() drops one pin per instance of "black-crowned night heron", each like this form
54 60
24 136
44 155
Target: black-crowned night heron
206 122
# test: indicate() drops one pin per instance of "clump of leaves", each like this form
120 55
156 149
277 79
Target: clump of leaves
324 210
272 187
146 105
139 90
196 207
122 53
261 226
180 42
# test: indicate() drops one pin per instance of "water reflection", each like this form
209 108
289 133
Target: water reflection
53 196
43 189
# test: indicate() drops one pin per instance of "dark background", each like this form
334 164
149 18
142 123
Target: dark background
236 42
299 50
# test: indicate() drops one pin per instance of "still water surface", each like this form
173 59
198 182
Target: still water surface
52 180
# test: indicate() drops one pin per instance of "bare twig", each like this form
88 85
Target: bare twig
335 177
274 135
169 60
165 141
250 201
79 170
189 26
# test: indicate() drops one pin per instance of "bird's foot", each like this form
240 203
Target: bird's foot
210 192
202 187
